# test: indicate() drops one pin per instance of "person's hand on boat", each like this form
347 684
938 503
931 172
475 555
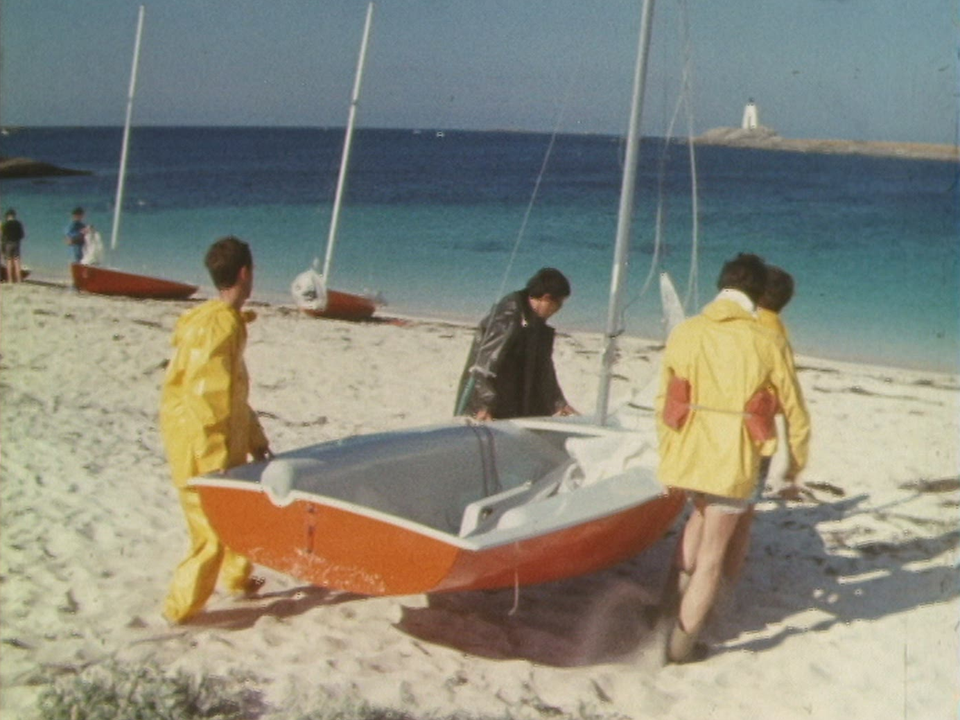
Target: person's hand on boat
566 411
483 415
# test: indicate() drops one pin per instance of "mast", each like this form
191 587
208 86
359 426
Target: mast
625 217
118 202
341 180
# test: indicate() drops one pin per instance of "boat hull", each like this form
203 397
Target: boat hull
106 281
410 512
578 550
344 306
335 548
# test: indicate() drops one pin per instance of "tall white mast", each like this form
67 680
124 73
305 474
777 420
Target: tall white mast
118 202
341 180
625 217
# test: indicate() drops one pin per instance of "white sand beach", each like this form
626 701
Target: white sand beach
847 608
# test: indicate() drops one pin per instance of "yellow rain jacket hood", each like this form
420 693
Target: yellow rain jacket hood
205 419
726 356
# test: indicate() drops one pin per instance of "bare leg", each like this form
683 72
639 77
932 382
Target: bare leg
690 541
718 528
681 566
739 547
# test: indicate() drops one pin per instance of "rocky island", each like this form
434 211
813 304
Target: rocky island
764 138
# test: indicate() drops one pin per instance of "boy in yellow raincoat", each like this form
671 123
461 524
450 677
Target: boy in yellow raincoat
207 424
722 360
777 293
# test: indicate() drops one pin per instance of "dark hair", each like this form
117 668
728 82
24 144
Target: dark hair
224 260
747 273
77 211
10 213
548 281
778 290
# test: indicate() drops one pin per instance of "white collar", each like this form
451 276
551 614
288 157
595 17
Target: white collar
740 298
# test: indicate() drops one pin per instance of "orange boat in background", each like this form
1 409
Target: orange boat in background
310 288
106 281
89 276
343 306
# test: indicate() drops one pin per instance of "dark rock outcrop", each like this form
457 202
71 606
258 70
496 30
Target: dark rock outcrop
21 167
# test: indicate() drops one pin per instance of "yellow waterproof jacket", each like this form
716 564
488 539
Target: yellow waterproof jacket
205 420
726 356
770 319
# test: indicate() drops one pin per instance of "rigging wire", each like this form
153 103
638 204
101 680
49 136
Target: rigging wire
543 170
468 388
691 298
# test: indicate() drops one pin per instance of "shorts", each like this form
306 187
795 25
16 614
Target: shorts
727 505
10 250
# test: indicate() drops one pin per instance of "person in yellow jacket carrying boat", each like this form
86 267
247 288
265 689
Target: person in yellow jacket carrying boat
777 292
714 414
207 424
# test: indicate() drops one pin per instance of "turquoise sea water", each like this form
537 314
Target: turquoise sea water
431 223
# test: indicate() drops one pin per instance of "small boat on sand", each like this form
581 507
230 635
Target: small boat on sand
107 281
90 277
343 306
460 506
310 288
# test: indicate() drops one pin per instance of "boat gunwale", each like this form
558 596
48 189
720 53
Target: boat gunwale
472 543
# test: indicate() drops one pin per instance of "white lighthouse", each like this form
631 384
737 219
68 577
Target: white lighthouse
750 121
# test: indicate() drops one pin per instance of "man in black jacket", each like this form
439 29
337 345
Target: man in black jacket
509 371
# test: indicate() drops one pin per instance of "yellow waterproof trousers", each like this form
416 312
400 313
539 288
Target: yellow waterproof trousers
196 577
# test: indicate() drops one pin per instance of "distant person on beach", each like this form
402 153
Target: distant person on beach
777 292
10 236
76 233
509 371
714 412
207 424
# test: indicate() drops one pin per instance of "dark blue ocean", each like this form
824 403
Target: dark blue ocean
431 222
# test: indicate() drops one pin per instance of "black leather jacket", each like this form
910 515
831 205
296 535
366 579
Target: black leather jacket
509 370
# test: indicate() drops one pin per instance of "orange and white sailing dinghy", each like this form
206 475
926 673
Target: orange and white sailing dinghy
344 306
314 299
88 275
461 506
309 288
107 281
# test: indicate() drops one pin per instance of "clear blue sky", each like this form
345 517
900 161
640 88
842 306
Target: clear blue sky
851 69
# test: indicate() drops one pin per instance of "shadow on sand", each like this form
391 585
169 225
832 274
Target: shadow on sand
803 557
283 604
570 623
